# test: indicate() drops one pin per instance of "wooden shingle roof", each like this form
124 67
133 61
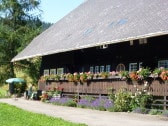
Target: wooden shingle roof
98 22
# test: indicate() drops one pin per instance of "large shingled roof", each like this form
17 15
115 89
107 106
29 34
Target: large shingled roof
98 22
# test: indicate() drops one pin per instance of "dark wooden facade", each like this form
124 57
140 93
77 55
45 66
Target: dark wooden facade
80 60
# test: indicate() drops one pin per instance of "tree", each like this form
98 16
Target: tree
18 26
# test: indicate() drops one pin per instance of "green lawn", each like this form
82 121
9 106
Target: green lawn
13 116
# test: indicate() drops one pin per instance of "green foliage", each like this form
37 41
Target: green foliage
12 116
157 71
141 100
140 110
89 98
144 73
122 102
111 94
126 101
146 101
165 113
18 27
155 112
66 102
45 25
124 74
112 97
104 74
71 103
20 87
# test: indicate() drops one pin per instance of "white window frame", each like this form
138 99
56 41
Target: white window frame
60 71
108 68
163 63
140 64
96 69
91 69
101 68
133 67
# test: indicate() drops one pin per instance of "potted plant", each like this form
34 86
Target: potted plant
104 75
156 72
83 77
69 77
124 75
164 75
133 76
90 76
76 77
57 77
143 73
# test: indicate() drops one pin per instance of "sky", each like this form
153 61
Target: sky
54 10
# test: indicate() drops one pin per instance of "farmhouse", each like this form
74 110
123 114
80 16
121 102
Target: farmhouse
102 36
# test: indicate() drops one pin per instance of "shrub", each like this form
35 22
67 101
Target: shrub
141 100
122 102
63 101
102 104
140 110
84 103
99 103
165 113
155 112
146 101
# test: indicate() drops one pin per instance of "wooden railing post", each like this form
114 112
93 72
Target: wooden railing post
164 103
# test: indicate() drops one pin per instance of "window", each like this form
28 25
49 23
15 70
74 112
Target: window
96 69
140 65
91 69
46 72
133 67
60 71
120 67
101 68
163 63
107 68
52 71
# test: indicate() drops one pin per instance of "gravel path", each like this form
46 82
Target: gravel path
88 116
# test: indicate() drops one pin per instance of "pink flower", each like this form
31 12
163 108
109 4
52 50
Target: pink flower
113 73
75 73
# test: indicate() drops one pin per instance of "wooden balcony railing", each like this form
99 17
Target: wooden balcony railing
106 86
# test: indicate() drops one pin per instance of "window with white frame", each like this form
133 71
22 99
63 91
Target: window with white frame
101 68
163 63
133 67
107 68
91 69
96 69
140 65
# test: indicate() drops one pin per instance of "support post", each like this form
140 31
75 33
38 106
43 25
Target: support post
164 103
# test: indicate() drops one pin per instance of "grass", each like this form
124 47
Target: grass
13 116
